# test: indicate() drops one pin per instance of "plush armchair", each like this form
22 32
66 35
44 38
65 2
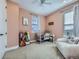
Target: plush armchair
67 49
43 36
47 36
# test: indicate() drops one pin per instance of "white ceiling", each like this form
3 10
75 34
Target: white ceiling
43 9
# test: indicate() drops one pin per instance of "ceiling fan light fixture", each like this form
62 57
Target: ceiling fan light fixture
65 1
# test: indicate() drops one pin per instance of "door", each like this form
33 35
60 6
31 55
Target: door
3 28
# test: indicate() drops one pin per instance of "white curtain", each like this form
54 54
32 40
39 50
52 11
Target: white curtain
76 20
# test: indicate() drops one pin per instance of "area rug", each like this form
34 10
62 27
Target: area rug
46 50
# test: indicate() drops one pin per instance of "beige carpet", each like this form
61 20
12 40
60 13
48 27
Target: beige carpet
45 50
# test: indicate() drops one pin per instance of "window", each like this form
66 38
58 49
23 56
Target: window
35 24
68 23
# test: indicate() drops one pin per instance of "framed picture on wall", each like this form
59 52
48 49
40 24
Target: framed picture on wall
51 23
25 21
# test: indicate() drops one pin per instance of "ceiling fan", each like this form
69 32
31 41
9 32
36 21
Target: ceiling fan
43 1
46 1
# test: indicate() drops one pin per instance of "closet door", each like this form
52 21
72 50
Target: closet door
3 28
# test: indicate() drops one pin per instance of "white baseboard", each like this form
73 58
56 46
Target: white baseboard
12 48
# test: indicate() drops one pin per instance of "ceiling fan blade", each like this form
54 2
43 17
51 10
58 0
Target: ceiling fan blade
42 1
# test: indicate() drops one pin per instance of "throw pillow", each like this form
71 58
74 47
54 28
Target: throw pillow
71 41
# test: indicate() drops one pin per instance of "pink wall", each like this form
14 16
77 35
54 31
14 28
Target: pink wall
24 13
15 15
57 28
57 18
13 24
